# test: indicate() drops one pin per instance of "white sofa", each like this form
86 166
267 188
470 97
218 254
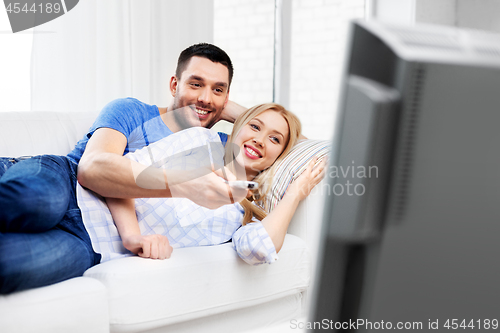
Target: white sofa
206 289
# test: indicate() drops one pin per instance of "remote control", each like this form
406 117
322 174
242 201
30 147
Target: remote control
244 184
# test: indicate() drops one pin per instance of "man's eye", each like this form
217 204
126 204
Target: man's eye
195 84
219 90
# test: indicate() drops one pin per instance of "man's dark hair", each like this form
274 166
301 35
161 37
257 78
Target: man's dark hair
204 50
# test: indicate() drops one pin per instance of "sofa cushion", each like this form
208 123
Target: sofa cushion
35 133
76 305
144 293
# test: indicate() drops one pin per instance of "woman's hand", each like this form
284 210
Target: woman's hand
303 185
150 246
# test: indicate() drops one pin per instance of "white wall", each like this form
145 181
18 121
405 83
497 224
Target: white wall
15 59
395 11
436 11
474 14
479 14
319 31
245 30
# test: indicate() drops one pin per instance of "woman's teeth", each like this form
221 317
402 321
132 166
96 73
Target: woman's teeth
252 152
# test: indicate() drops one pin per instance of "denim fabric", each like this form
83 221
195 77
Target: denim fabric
7 162
42 236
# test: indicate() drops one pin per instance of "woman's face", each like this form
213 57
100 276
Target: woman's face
261 141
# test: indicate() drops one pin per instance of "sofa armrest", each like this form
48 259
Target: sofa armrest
306 222
78 305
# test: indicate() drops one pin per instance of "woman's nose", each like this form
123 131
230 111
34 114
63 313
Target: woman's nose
257 141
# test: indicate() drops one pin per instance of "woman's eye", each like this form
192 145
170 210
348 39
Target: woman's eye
275 139
254 126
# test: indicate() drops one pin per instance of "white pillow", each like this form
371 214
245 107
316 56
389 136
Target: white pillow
293 165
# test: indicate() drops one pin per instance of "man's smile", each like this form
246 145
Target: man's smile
201 112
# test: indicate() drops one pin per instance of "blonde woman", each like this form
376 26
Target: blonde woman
152 227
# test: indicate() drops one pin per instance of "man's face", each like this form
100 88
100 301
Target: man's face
203 84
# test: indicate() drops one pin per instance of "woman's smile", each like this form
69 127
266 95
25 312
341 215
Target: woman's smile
252 152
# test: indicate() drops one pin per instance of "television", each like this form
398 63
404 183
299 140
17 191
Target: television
415 243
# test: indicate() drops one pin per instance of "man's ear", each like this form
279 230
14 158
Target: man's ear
173 85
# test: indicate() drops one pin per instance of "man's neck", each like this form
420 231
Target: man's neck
169 119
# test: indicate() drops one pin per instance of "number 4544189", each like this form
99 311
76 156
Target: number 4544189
478 324
48 8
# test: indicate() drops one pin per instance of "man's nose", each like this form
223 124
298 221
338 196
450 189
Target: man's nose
205 95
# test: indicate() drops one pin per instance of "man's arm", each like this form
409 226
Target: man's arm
231 111
105 171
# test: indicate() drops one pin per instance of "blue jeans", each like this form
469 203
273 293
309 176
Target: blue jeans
42 236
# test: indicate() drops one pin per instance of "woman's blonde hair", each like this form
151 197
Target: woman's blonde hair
265 177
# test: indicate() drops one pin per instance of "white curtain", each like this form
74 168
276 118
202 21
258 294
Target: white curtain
106 49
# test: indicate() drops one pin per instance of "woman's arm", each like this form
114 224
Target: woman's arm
253 244
125 218
276 223
257 242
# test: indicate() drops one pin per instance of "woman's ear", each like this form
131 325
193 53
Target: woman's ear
173 85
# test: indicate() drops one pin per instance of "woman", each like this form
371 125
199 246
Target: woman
151 227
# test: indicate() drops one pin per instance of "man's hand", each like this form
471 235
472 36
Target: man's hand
206 188
231 111
150 246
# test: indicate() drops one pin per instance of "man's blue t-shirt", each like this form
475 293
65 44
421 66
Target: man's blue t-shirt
139 122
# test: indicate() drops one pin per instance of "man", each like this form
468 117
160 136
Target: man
42 237
202 79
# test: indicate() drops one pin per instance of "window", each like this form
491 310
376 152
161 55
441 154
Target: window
245 30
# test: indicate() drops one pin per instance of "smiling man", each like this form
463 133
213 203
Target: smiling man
203 84
200 89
